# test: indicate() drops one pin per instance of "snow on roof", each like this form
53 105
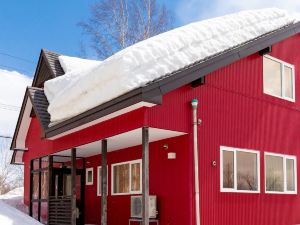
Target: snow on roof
156 57
70 64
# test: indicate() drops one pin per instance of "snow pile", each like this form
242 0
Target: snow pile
14 198
70 64
73 68
13 211
156 57
12 216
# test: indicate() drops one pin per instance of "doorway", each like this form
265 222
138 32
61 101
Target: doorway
61 187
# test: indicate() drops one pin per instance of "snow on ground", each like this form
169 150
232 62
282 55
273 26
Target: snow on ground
13 211
14 198
156 57
12 89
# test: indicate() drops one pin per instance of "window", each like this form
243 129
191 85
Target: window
99 177
279 78
280 173
127 178
89 176
239 170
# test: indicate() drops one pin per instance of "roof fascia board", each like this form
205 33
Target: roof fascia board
25 98
37 70
114 105
200 69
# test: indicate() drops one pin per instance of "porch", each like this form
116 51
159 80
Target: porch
58 181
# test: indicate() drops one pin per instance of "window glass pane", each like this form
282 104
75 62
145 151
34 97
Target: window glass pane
90 176
67 179
274 173
288 78
135 177
44 162
99 180
228 169
44 185
44 212
35 188
121 178
246 171
272 77
290 176
36 164
35 207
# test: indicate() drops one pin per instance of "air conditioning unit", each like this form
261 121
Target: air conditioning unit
136 206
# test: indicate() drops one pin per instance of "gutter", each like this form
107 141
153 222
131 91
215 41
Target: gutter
196 163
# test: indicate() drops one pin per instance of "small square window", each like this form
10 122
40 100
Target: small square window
278 78
89 176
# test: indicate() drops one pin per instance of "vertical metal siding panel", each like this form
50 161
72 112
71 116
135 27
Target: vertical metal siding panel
236 113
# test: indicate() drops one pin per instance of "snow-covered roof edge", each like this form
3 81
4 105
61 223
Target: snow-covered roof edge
183 76
179 78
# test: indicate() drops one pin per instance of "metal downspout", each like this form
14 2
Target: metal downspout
196 164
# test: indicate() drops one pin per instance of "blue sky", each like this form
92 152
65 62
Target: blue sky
27 26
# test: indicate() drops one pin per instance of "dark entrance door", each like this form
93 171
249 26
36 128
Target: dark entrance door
61 188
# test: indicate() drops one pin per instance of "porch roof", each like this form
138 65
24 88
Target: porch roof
121 141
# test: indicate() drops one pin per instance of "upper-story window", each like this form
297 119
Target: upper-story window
279 78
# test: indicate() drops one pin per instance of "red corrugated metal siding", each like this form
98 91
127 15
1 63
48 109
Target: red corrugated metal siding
167 180
235 112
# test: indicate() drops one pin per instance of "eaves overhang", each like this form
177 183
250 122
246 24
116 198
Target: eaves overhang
152 93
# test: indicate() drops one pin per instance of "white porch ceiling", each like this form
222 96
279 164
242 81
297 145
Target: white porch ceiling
121 141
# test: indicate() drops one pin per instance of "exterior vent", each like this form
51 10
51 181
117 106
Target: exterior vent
137 203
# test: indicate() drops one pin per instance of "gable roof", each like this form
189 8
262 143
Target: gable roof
153 91
48 67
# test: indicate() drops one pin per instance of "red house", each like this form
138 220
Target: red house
213 143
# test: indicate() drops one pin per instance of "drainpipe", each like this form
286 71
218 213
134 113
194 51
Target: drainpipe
196 167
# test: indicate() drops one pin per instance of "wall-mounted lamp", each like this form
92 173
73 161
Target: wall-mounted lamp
166 146
172 155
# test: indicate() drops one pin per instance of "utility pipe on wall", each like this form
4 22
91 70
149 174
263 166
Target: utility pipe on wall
196 164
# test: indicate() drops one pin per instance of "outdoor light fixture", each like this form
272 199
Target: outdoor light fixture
214 163
172 155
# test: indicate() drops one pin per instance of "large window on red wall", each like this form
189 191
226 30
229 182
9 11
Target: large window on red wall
127 178
280 174
239 170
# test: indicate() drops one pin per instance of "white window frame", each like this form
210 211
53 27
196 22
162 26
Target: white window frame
282 64
87 170
99 181
130 163
234 150
285 157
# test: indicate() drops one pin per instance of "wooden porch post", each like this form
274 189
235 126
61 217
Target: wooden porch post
104 183
50 169
145 184
73 186
31 188
40 189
